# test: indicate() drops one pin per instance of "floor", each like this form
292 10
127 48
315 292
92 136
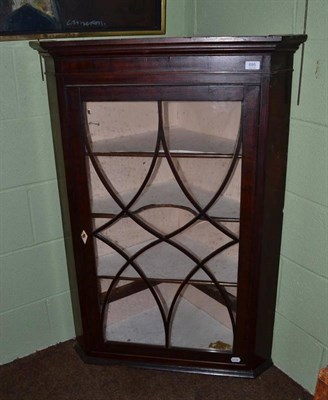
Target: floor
58 373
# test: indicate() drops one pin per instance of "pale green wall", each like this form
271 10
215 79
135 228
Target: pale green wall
180 17
301 327
35 309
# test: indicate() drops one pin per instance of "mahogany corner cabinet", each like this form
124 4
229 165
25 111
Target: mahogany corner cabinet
171 160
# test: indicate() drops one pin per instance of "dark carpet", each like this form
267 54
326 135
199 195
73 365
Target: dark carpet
58 373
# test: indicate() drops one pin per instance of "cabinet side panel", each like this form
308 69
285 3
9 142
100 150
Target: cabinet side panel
61 177
274 146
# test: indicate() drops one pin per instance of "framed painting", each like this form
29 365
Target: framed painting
25 19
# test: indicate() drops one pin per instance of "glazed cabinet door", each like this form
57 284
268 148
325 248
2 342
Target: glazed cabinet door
161 185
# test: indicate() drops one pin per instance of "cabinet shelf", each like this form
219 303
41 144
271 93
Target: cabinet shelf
168 194
182 143
165 263
132 286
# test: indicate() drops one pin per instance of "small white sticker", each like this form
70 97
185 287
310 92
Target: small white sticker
253 65
235 359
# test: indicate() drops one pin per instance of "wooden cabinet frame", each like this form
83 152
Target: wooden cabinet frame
255 71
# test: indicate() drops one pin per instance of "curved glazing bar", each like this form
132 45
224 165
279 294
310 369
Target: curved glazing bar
116 279
201 211
202 266
108 185
167 320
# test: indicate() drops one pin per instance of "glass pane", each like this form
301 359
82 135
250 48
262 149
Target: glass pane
201 319
122 126
201 126
132 314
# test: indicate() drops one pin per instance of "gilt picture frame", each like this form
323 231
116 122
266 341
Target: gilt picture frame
43 19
